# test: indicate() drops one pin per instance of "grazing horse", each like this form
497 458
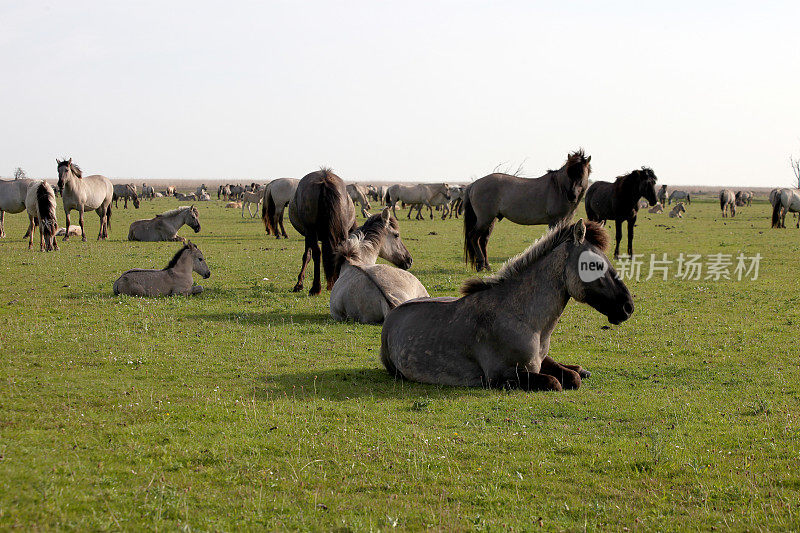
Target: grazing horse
548 199
277 195
164 227
249 199
744 198
321 210
417 196
12 198
662 195
364 291
786 200
619 201
40 202
498 333
727 202
125 191
175 278
677 211
81 193
679 195
358 193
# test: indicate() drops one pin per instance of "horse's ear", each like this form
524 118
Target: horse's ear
579 231
385 214
70 160
589 159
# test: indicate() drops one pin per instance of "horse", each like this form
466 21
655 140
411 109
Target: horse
679 195
456 200
125 191
321 210
149 192
497 334
375 193
175 278
40 202
366 292
164 227
656 209
73 230
744 198
277 195
205 197
619 201
250 198
12 198
786 200
78 192
727 202
201 190
548 199
236 192
223 192
416 195
358 193
170 191
677 211
662 195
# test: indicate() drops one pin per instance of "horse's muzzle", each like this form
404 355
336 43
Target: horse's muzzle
207 275
197 229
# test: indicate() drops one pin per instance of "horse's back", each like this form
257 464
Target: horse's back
13 193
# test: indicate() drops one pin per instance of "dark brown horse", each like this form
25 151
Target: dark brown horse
619 201
321 210
549 200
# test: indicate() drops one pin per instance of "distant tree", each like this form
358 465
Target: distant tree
19 174
796 169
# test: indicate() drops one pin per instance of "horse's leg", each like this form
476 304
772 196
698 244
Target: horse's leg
409 212
631 225
283 229
429 209
66 233
304 263
2 227
316 285
568 377
519 378
619 238
329 263
483 251
30 232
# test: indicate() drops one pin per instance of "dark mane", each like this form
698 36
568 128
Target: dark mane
369 235
627 186
560 234
75 168
174 260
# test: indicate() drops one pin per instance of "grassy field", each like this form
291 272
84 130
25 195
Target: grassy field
248 408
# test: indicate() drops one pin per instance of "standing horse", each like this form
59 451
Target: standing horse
662 195
12 199
40 202
92 192
416 196
548 199
498 333
277 195
786 200
619 201
149 192
456 200
727 202
175 278
125 191
250 198
358 193
164 227
366 292
321 210
678 196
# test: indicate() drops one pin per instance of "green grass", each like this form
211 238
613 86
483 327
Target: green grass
247 407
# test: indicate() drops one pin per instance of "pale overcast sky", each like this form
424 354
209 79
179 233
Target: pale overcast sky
703 92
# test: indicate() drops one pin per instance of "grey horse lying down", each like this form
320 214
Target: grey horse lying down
175 278
498 333
364 291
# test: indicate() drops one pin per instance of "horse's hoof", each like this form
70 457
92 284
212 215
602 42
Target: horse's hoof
298 287
315 291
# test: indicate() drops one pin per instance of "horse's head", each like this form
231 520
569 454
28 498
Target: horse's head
193 219
392 247
591 278
66 167
647 185
199 264
578 169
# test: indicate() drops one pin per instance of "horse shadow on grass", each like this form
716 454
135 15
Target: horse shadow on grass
346 384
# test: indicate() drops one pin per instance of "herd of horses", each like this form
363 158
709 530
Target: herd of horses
496 334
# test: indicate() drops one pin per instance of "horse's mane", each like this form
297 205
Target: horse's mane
630 181
177 256
561 233
366 238
174 212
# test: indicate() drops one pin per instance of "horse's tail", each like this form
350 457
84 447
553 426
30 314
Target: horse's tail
470 223
722 201
46 206
776 210
268 212
688 197
332 227
387 200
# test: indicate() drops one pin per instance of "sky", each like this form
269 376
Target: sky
705 93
